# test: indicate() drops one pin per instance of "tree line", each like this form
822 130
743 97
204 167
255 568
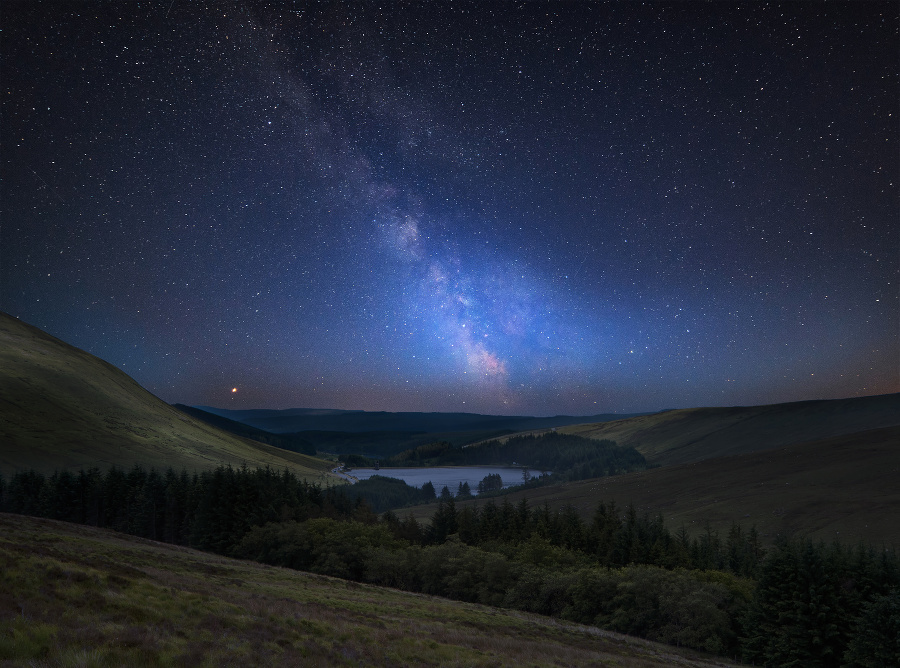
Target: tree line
797 603
577 456
211 510
383 493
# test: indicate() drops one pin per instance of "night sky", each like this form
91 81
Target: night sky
509 208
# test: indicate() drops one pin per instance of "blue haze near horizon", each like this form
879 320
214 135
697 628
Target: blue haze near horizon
499 208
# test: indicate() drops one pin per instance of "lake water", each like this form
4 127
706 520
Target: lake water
451 476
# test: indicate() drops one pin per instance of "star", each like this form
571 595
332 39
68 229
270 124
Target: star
435 217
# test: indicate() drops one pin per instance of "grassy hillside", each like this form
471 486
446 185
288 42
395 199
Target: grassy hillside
290 442
313 419
695 434
383 444
62 408
843 487
73 595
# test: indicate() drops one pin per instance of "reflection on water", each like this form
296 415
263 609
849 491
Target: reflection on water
449 476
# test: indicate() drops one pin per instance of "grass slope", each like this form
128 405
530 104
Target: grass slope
63 408
694 434
73 595
312 419
843 487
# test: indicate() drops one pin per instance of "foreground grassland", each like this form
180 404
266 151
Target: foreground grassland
63 408
74 595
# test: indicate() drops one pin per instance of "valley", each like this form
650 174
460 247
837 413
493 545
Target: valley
527 334
819 470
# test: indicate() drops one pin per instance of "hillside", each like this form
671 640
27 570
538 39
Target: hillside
694 434
75 595
843 487
308 419
284 441
63 408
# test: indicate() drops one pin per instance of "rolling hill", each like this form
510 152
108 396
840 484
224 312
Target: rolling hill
313 419
844 487
826 468
694 434
284 441
63 408
76 595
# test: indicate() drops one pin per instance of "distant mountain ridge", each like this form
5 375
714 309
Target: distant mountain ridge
314 419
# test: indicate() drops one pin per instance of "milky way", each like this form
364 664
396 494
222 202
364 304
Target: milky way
486 207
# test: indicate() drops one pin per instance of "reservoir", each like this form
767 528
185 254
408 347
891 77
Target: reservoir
451 476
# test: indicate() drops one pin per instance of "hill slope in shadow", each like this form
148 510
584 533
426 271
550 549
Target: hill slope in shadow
313 419
844 487
63 408
694 434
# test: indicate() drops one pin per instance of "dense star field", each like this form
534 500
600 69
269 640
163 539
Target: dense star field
514 208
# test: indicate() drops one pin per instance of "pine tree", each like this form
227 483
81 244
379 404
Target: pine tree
467 525
604 527
443 522
795 616
489 526
411 530
90 488
523 519
771 623
510 528
876 641
572 530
